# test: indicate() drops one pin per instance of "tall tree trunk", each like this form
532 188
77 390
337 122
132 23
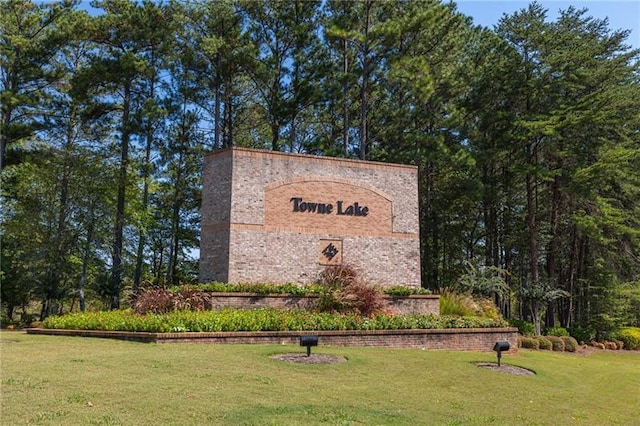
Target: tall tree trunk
531 222
217 89
6 119
116 265
85 261
552 249
364 94
345 98
142 238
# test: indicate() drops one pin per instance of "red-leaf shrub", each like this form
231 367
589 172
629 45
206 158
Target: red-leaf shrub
344 291
155 301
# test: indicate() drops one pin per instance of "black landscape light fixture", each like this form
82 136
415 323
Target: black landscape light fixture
499 347
308 341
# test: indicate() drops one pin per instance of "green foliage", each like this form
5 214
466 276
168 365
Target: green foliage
456 304
483 280
290 288
403 290
544 343
537 296
582 334
257 320
525 328
630 336
464 304
556 331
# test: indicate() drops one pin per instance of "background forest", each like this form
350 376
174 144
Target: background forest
527 137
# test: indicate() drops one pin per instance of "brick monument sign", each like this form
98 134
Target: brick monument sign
275 217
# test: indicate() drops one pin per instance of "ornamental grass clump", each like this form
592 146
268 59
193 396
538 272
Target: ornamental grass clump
466 304
159 301
344 291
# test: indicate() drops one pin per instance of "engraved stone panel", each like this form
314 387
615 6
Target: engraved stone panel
327 206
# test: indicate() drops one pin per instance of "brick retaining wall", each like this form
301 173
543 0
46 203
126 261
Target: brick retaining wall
470 339
416 304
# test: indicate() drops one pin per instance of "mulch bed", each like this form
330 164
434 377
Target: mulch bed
506 368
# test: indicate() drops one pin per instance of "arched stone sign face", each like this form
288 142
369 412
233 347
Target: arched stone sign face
327 206
275 217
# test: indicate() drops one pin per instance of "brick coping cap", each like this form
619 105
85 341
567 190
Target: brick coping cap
204 334
288 295
264 152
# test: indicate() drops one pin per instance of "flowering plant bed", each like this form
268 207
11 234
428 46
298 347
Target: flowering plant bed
266 319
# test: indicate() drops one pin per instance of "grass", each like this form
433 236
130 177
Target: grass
82 381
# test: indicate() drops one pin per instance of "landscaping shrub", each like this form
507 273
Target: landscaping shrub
557 331
155 301
529 342
557 343
158 301
362 298
338 276
404 291
630 336
344 291
191 299
582 334
488 309
525 328
452 303
570 343
288 288
544 343
256 320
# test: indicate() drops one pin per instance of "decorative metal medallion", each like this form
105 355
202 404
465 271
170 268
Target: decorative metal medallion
330 252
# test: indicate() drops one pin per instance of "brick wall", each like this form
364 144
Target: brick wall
251 231
472 339
418 304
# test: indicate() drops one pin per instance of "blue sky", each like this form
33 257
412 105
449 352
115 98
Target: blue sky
622 14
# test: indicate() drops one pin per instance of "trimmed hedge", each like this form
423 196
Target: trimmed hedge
570 343
290 288
258 320
557 343
544 343
630 336
528 342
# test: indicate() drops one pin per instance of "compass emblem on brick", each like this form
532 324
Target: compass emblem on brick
330 252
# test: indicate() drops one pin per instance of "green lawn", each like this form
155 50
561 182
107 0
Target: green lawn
83 381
